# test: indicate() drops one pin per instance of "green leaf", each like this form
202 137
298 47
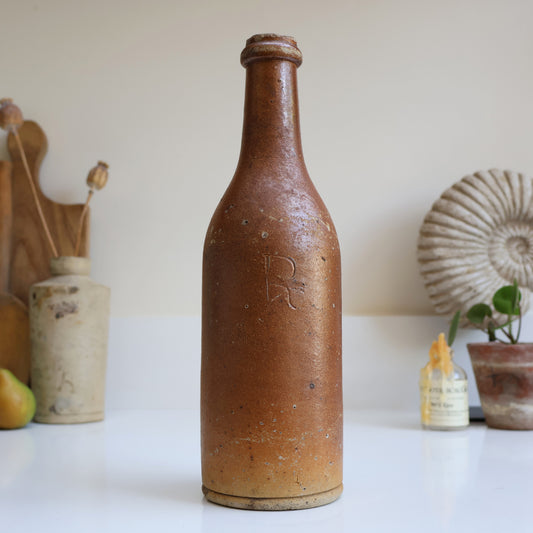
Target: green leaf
454 324
477 313
507 300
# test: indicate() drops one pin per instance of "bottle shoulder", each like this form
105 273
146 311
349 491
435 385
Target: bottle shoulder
273 195
266 220
271 207
436 374
71 283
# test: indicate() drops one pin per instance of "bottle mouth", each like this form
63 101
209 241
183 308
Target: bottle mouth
270 46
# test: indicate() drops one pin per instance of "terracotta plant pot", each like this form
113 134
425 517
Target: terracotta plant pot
504 378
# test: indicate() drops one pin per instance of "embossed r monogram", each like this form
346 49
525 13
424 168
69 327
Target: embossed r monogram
280 274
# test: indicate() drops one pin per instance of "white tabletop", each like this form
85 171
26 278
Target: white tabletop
140 471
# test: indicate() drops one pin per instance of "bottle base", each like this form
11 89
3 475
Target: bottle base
444 428
81 418
273 504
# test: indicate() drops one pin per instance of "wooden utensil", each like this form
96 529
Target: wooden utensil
30 251
14 324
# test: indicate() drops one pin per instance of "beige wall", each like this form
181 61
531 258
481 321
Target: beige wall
399 99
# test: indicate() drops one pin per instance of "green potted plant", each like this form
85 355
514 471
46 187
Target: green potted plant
503 367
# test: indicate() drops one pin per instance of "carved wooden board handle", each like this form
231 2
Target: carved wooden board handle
14 325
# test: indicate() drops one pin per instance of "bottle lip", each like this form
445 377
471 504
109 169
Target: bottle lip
65 265
264 46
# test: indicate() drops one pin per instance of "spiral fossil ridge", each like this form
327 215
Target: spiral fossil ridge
477 237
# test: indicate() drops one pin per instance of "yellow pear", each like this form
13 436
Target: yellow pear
17 402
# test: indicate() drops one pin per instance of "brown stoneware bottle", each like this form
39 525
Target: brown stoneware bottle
271 312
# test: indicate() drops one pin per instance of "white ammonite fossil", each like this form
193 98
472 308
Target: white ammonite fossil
477 237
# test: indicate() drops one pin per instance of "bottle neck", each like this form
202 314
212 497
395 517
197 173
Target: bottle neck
271 127
68 265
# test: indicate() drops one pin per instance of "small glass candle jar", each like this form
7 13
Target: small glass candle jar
443 392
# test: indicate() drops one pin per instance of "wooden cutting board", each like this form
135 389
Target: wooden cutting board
14 324
30 252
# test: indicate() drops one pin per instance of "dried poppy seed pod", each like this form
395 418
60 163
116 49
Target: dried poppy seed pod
10 115
98 175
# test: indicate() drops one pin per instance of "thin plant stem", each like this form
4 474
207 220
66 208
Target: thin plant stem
504 325
489 330
519 324
80 224
34 193
510 337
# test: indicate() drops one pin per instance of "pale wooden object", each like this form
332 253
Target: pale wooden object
14 325
31 252
6 222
